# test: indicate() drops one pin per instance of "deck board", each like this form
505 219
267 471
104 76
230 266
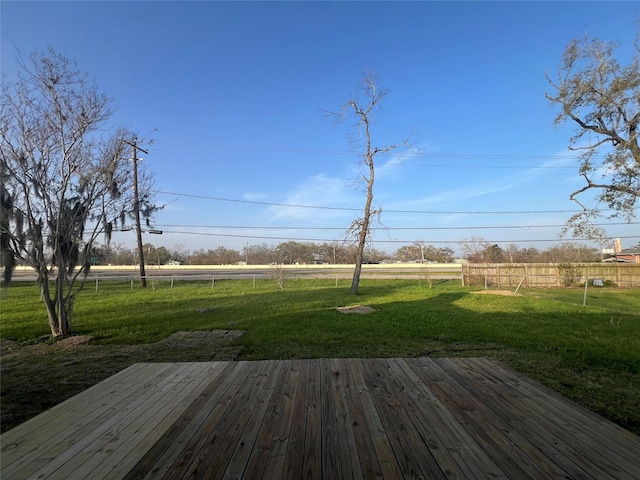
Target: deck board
324 418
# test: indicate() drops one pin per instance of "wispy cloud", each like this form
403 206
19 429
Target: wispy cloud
495 185
319 190
455 195
254 196
393 166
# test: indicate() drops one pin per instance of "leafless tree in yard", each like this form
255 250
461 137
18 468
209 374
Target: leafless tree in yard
602 98
64 181
361 107
278 273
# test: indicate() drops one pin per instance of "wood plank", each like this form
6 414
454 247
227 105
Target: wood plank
506 406
245 445
281 435
293 466
334 443
232 427
257 462
20 441
367 429
312 456
549 434
456 451
149 428
412 454
622 441
82 457
509 450
376 431
206 452
170 448
331 449
85 460
586 429
325 418
573 426
340 385
73 427
23 432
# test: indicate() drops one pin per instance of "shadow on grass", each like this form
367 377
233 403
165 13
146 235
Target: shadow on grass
577 351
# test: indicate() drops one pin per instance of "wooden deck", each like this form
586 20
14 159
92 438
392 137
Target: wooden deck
328 418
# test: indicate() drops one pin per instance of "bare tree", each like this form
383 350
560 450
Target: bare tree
278 273
361 107
64 182
571 252
601 97
473 249
293 252
179 252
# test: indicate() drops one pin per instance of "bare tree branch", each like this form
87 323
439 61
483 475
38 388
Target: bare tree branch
64 182
361 107
600 96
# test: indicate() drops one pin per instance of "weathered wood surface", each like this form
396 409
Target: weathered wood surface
327 418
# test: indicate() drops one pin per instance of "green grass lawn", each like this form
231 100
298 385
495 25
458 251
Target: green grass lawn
590 354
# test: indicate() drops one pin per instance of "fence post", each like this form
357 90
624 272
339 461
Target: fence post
462 274
96 284
213 280
171 282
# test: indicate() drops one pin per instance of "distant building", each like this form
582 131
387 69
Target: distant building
629 255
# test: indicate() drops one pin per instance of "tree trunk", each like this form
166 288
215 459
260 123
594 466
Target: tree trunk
362 242
50 306
58 308
364 229
355 281
363 114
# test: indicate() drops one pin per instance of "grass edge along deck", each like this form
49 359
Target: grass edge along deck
320 418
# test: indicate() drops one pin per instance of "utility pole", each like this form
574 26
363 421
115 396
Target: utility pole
135 148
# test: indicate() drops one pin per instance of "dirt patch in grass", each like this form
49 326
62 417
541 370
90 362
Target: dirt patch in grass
35 377
361 309
506 293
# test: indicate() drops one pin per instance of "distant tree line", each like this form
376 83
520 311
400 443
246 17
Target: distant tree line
288 253
479 250
474 250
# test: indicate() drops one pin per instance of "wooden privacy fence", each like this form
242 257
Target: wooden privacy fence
550 275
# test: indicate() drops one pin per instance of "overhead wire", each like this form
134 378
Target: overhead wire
338 240
239 149
400 163
352 209
414 153
479 227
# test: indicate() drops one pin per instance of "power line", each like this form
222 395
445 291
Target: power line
348 209
410 153
396 164
482 227
298 239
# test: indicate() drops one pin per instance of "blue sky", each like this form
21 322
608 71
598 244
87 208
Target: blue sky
234 96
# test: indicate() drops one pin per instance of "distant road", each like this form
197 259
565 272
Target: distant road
436 271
